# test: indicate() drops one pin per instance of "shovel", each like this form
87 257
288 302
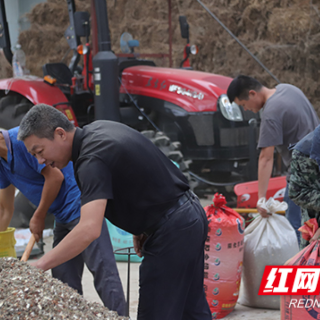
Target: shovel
28 249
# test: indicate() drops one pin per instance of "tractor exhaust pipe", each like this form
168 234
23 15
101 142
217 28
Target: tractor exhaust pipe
105 68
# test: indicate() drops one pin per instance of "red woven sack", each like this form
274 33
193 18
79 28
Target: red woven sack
223 257
309 229
309 256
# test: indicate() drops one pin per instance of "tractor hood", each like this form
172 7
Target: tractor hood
193 91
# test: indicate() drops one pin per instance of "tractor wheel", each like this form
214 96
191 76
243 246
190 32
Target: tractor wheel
12 109
172 151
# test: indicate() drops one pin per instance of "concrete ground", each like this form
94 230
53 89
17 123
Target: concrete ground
240 312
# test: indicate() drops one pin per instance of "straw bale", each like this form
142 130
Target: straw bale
283 34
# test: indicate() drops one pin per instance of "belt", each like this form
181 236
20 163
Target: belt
182 200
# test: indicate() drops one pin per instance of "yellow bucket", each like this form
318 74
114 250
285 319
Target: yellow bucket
7 242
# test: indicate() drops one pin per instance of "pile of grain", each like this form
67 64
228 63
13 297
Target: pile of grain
28 293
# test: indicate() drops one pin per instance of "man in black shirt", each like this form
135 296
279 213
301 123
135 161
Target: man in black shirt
125 178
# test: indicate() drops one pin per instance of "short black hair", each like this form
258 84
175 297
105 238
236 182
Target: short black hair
240 87
41 121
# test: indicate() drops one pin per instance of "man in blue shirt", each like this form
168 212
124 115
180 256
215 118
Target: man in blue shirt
55 191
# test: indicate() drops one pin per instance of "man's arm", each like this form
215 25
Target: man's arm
6 206
53 179
87 230
264 173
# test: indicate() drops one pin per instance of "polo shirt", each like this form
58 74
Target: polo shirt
24 172
117 163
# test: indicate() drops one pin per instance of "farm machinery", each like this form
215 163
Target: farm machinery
185 112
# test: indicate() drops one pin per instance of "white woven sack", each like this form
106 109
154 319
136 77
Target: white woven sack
267 241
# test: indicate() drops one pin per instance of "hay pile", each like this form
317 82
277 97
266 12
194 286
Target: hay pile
283 34
28 293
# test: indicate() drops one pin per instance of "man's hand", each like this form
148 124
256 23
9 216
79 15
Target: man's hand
35 264
263 212
316 236
138 242
36 226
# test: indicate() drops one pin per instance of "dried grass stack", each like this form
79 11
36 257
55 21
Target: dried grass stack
28 293
283 34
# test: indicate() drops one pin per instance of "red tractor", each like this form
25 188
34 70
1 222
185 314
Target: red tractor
183 111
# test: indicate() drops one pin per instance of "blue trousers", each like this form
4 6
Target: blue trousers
293 214
99 259
172 271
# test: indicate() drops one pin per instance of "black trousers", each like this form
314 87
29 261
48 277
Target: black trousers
99 259
171 273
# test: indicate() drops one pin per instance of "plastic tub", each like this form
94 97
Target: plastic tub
7 242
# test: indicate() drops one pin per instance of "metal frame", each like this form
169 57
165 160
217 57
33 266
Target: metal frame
129 253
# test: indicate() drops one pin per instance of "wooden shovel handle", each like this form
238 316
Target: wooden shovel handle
28 249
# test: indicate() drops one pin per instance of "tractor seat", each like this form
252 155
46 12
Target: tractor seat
61 73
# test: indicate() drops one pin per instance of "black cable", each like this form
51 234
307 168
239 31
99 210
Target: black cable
239 42
142 112
215 184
